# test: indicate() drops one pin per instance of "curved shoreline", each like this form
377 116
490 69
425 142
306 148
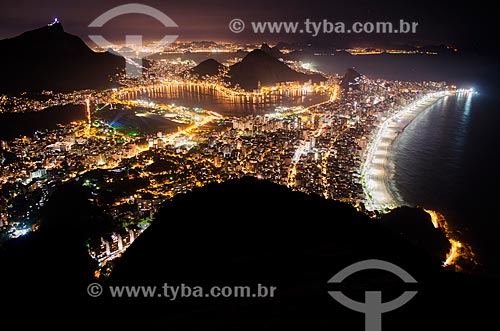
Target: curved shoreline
374 170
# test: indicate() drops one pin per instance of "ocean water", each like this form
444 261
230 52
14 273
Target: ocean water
446 160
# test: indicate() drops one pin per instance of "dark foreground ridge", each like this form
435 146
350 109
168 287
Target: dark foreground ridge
243 233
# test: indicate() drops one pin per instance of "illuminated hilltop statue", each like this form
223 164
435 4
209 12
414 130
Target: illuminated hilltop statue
55 21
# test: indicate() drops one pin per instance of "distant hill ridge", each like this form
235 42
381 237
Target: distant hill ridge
258 66
351 80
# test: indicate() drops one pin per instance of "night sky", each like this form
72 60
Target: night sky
470 27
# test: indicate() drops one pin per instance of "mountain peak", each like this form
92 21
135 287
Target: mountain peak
273 51
260 57
256 53
259 66
50 31
265 46
208 67
49 52
56 26
351 79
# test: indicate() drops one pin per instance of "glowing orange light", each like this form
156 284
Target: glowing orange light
457 248
87 101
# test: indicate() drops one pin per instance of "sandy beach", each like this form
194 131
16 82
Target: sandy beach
374 171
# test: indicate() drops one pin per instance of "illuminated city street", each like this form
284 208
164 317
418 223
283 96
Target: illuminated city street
249 165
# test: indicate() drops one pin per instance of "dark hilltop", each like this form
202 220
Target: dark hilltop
258 67
49 58
242 232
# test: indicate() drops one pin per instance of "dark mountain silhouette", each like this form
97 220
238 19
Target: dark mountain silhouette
258 66
53 264
415 225
309 52
50 59
351 80
241 53
208 68
242 232
249 232
273 51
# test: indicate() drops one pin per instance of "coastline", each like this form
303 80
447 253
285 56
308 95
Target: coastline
375 170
